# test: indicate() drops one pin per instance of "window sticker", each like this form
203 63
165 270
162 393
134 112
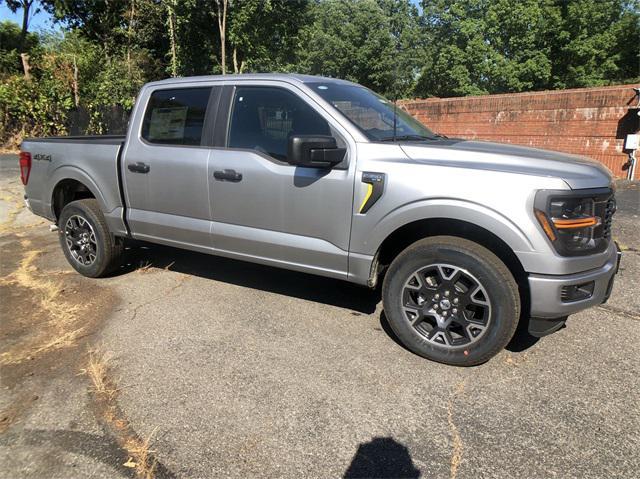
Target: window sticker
168 123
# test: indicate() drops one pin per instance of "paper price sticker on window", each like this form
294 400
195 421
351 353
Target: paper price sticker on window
168 123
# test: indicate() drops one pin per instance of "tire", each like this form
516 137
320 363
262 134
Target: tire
451 300
82 224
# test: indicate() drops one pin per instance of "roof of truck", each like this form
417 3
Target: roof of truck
252 76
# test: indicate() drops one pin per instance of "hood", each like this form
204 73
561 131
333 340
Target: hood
578 172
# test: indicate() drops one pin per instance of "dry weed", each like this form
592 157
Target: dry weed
144 268
456 453
104 388
62 315
98 372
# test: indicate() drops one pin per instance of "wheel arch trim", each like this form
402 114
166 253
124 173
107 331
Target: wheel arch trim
68 172
450 209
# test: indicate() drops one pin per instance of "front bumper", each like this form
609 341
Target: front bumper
547 299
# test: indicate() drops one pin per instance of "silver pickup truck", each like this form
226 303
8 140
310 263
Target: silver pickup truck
469 239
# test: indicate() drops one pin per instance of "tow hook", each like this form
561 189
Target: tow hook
53 228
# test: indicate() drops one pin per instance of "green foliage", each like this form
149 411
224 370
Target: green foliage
263 34
597 43
10 38
448 48
373 43
481 46
33 108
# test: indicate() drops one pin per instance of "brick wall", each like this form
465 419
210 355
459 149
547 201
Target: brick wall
590 122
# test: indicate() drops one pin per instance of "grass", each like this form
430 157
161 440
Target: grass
105 391
62 316
144 268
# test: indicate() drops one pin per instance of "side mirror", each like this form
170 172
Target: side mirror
314 151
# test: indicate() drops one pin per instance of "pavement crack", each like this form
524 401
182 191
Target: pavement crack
627 314
456 440
167 292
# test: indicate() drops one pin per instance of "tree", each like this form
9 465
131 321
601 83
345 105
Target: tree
263 34
480 46
25 6
364 41
597 43
222 6
11 42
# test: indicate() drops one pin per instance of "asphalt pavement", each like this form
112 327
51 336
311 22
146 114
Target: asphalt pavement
242 370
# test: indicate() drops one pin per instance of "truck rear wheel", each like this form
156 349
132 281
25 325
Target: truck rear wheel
451 300
86 241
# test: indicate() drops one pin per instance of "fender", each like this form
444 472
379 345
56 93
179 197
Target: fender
111 207
365 244
449 208
68 172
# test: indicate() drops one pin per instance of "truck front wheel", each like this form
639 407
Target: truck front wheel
85 239
451 300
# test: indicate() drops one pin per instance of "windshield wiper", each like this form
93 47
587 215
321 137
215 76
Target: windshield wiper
408 138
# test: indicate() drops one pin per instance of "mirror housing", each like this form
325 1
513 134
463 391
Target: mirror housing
314 151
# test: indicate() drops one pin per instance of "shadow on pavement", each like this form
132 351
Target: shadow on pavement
383 458
103 449
521 341
275 280
250 275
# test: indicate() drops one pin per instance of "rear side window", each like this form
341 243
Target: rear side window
264 118
176 116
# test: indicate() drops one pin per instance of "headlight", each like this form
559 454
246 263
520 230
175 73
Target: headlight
576 222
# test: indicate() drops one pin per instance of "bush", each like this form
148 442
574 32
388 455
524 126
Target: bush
36 107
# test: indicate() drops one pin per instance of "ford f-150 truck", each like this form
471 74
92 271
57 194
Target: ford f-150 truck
469 239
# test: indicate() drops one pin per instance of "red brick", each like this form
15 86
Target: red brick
579 121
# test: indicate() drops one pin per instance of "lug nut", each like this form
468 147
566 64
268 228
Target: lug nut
455 310
455 300
446 293
437 296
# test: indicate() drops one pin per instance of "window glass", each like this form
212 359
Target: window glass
176 117
264 118
372 113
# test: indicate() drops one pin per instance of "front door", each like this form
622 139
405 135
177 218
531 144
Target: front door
267 210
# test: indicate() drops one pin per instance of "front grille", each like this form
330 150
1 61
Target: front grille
610 209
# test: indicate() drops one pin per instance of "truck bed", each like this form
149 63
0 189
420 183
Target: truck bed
89 160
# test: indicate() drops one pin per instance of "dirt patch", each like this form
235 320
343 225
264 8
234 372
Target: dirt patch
48 318
45 310
50 321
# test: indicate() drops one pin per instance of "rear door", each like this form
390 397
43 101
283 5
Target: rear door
165 166
267 210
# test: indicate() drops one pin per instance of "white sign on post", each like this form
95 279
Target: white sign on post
632 142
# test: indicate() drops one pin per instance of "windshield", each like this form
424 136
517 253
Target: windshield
372 113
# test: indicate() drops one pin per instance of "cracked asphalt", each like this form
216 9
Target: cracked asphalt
241 370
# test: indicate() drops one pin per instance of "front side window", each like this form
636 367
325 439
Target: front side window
176 116
264 118
371 113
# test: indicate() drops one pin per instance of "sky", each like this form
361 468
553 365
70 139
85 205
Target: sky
39 21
